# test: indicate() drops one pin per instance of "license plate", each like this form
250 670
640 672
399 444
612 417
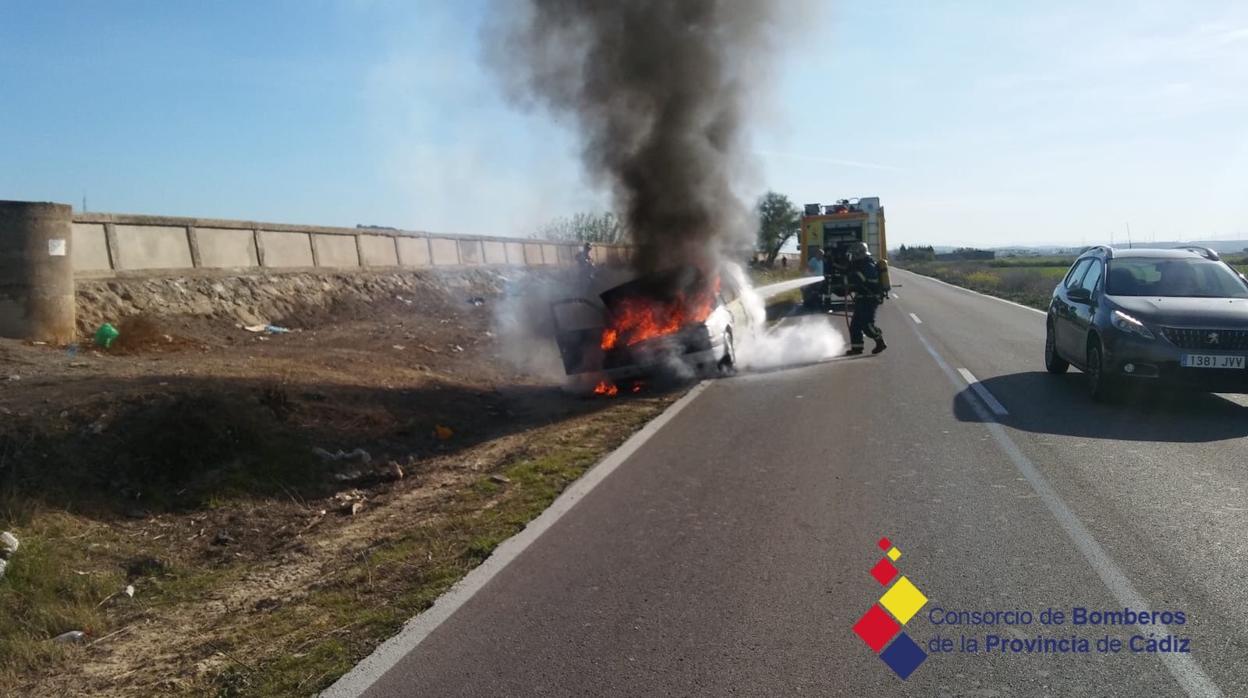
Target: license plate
1212 361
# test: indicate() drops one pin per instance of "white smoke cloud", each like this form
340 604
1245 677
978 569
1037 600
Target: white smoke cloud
793 341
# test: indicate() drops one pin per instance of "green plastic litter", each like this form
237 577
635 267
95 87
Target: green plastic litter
106 335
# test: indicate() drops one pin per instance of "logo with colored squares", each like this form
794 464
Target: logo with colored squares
880 626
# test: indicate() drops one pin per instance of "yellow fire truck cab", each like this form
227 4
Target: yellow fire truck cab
848 220
831 228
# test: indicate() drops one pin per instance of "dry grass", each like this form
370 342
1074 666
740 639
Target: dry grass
1026 284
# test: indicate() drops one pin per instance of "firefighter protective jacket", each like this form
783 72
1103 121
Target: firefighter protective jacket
864 279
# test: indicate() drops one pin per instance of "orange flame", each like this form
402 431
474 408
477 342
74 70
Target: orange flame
606 388
609 337
639 319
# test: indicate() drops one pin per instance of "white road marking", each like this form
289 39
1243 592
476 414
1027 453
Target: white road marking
985 295
916 319
1183 667
983 393
895 296
366 673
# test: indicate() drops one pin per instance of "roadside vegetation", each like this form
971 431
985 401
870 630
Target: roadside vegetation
344 616
1025 280
303 584
211 511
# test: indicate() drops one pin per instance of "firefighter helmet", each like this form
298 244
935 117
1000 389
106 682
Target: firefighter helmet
858 250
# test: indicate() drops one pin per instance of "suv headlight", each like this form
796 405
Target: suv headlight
1130 325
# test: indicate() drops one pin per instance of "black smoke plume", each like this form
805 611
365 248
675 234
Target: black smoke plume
659 91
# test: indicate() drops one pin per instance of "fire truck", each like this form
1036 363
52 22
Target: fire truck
832 228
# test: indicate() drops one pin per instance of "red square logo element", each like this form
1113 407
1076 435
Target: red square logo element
885 544
884 571
876 628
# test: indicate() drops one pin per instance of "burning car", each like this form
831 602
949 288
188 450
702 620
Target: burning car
681 322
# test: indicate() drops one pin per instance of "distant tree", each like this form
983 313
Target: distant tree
968 253
585 227
778 222
915 254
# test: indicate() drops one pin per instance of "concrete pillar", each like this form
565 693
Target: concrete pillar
36 272
192 240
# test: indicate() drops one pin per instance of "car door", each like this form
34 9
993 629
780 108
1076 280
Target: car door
1082 312
1063 311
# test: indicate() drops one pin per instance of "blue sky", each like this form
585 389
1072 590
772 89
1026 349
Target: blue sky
980 123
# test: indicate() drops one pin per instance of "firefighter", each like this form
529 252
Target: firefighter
585 258
863 276
815 264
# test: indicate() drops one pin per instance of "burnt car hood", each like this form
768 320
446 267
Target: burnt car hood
1186 312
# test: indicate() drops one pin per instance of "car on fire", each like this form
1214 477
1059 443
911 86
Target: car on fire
1176 317
676 323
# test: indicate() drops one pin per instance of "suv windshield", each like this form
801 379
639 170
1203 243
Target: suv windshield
1181 278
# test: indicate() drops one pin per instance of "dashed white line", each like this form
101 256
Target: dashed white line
916 319
896 296
996 407
1183 667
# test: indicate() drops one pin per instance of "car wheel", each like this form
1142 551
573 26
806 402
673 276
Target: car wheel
1101 385
728 362
1053 363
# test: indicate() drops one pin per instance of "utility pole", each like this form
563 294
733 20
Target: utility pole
1128 235
84 200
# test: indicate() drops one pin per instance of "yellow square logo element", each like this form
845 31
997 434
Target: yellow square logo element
893 554
903 600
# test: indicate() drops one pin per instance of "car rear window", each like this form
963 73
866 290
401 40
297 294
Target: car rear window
1174 277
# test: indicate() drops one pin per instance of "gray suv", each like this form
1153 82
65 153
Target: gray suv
1176 317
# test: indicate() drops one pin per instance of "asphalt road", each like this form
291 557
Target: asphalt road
729 555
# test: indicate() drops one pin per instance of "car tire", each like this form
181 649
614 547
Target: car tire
1101 386
728 362
1053 362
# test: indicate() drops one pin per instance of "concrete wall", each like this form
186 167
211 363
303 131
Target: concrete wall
337 251
414 252
444 251
378 251
227 248
470 252
90 248
108 244
495 252
515 252
283 250
152 247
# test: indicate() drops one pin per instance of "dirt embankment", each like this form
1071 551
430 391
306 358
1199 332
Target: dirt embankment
279 502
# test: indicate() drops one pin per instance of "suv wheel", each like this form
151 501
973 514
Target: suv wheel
1053 363
1102 386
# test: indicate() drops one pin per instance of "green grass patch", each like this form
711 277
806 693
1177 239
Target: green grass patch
47 591
68 574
